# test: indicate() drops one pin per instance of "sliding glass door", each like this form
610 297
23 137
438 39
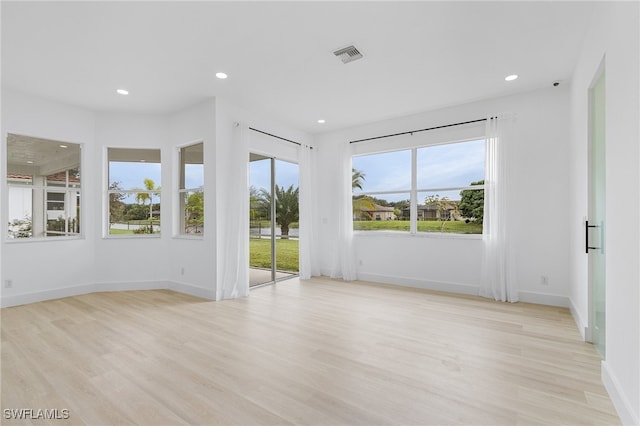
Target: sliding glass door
273 220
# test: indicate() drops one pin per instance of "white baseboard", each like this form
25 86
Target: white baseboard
618 397
544 299
423 284
41 296
583 327
524 296
131 285
325 272
193 290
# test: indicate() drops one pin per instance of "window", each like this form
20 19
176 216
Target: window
134 191
437 188
191 189
43 180
381 189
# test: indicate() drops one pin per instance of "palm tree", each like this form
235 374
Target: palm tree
360 204
142 197
363 207
287 208
357 178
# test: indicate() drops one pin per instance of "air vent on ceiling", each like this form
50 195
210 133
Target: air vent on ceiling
348 54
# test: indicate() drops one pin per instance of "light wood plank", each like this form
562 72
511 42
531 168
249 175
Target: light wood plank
313 352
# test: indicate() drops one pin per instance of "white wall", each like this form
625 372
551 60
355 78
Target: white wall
130 260
540 159
40 266
614 37
192 263
41 270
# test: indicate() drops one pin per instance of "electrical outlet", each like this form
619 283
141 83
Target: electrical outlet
544 280
8 283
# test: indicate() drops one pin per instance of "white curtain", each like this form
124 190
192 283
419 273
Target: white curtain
344 256
309 265
498 272
234 277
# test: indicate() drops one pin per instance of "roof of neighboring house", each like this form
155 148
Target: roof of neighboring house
377 208
56 177
452 206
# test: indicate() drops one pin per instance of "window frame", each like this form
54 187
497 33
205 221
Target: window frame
415 190
179 223
68 189
108 192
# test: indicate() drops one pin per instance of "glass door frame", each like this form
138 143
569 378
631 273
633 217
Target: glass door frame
595 226
273 224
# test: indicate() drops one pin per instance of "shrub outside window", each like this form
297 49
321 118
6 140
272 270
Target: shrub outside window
191 189
134 191
44 192
437 188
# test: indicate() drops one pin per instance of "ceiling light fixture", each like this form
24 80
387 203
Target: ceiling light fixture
221 75
321 121
29 162
64 146
511 77
122 91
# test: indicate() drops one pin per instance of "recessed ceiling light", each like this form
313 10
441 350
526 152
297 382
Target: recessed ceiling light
29 162
321 121
511 77
64 146
221 75
122 91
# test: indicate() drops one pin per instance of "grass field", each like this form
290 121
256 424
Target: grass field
287 254
453 227
113 231
118 231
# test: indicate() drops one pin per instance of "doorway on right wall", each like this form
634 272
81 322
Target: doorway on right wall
595 226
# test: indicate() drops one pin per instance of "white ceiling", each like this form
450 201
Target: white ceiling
417 55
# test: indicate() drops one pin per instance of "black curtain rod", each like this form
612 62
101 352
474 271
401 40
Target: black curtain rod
277 137
421 130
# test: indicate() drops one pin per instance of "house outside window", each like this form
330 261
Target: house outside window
429 189
43 186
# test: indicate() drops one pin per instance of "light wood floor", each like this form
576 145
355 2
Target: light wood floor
316 352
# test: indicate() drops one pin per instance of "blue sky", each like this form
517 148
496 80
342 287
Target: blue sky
194 176
132 175
260 174
439 166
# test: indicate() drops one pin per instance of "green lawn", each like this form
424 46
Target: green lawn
116 231
113 231
287 254
453 227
